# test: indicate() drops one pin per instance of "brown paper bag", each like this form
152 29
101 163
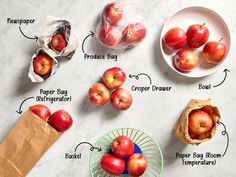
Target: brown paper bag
29 139
181 127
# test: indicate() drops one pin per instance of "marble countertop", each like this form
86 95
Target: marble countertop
154 113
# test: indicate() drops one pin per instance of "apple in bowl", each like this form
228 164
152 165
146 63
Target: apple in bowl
185 60
112 165
175 38
197 35
114 77
122 147
214 52
137 165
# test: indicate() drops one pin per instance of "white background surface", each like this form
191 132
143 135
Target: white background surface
154 113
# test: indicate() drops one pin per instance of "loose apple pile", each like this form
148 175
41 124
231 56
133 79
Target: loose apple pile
59 120
199 123
116 31
120 98
196 36
123 157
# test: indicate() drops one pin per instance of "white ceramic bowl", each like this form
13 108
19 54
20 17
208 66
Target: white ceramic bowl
197 15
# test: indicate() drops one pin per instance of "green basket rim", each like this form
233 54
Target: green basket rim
162 161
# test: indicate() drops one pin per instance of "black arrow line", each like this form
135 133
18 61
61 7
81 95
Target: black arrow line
33 38
225 71
20 110
227 135
92 147
91 34
137 77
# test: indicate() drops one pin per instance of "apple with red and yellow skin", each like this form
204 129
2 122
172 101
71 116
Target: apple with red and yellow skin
214 52
42 64
121 99
41 111
137 164
99 94
112 165
113 13
197 35
58 42
114 77
175 38
200 122
109 35
122 147
60 120
185 60
134 33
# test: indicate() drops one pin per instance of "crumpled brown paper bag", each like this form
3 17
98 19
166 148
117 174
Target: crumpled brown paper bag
28 140
181 127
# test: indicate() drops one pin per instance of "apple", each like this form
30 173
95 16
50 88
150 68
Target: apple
121 99
112 165
58 42
175 38
113 13
186 60
41 110
122 147
60 120
197 35
99 94
43 64
137 164
109 35
114 77
134 33
200 122
214 52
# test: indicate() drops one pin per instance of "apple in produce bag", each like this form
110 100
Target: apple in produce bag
113 13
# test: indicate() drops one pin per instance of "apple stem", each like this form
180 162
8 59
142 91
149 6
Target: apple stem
221 39
203 25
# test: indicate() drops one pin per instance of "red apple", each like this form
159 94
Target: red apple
175 38
113 13
186 60
43 64
122 147
41 110
200 122
114 77
197 35
109 35
58 42
136 165
214 52
60 120
112 165
121 99
99 94
134 33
